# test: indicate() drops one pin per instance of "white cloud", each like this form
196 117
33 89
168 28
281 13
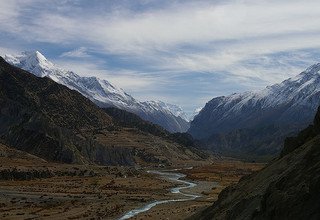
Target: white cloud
239 39
10 14
247 29
194 24
8 11
128 80
77 53
4 51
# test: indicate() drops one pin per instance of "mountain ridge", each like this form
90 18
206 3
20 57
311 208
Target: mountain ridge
51 121
230 121
102 92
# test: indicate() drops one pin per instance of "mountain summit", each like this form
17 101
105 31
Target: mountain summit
102 92
33 62
258 122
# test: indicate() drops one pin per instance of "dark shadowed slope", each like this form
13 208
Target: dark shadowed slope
44 118
288 188
130 120
56 123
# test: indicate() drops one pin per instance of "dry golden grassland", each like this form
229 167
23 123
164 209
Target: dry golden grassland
31 188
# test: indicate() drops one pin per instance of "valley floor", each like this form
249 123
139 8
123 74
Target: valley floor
34 189
211 179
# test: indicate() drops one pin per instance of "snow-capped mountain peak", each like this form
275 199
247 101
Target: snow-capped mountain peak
33 62
289 100
102 92
306 83
91 87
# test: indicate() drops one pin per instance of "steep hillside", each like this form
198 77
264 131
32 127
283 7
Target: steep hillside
257 122
130 120
51 121
102 92
288 188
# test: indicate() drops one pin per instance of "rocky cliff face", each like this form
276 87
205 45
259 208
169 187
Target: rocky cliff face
51 121
288 188
257 122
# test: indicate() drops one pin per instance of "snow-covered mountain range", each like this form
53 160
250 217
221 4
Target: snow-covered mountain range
174 109
234 121
102 92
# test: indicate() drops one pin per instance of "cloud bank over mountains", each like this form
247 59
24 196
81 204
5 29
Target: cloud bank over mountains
184 52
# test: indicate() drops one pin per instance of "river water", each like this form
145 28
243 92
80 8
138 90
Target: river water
176 177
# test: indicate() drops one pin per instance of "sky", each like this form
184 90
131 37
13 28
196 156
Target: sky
179 51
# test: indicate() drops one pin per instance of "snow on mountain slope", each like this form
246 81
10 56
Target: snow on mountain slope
297 89
33 62
102 92
195 113
287 106
174 109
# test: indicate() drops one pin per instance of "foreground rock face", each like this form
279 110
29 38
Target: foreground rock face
288 188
